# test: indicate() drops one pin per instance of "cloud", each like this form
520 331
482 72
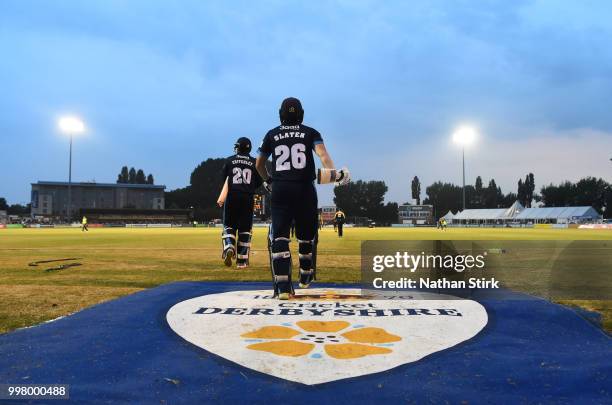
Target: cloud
167 85
553 156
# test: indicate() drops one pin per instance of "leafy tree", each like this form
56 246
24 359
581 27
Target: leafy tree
18 209
179 198
123 177
525 192
557 196
521 192
206 181
537 197
589 191
507 199
493 197
140 177
388 214
363 199
132 176
479 196
3 204
608 202
530 188
416 190
444 197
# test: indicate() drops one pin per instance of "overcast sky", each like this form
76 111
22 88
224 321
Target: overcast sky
163 85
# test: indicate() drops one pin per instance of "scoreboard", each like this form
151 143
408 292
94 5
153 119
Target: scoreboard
328 212
415 214
259 205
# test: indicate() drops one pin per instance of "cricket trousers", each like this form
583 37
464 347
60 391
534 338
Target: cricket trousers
293 202
238 219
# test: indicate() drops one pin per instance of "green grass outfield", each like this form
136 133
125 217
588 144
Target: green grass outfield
121 261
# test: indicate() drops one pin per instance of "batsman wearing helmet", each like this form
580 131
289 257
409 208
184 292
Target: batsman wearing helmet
294 197
240 182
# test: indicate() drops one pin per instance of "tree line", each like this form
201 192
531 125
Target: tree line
589 191
367 198
14 209
132 176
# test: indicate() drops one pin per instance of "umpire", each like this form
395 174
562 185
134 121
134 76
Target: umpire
339 219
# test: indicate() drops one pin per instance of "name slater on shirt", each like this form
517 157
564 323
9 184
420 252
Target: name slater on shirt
289 135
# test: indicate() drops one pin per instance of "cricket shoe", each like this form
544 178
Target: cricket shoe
306 277
242 265
228 255
283 291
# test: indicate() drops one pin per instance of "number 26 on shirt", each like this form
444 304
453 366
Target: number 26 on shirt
288 158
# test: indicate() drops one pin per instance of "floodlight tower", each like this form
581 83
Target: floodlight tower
464 136
71 126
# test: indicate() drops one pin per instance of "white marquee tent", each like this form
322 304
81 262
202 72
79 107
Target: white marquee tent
558 215
449 216
519 214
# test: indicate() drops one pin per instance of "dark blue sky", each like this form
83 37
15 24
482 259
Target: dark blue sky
163 85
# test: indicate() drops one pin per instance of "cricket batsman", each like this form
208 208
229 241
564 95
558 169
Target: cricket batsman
241 179
294 197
